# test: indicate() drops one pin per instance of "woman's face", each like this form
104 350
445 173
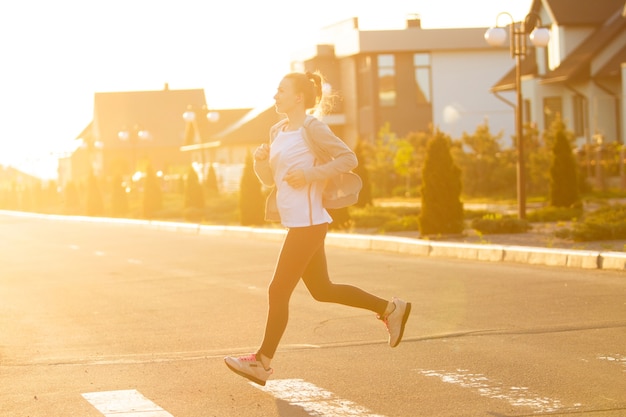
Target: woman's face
286 99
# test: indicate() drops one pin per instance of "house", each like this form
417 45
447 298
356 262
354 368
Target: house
579 76
411 78
226 150
136 129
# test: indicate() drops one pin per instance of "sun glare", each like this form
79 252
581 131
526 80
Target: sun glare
59 59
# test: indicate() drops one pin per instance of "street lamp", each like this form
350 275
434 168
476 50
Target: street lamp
134 136
189 117
539 37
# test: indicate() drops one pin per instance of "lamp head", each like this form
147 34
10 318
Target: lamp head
495 36
540 37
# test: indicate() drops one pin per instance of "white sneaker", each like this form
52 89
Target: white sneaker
249 367
396 320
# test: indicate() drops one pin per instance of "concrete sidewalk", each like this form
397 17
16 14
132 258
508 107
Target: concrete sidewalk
482 252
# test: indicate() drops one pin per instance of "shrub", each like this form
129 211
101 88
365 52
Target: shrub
398 224
606 223
390 218
372 217
497 224
555 214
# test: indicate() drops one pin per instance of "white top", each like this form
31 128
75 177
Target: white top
298 207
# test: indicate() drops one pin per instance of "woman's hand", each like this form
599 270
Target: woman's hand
295 179
262 152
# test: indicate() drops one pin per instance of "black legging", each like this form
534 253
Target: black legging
302 255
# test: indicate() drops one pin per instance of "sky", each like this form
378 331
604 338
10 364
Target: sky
54 55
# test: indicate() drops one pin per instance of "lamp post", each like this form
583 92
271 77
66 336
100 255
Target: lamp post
134 136
518 31
189 116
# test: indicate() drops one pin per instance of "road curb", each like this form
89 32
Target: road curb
569 258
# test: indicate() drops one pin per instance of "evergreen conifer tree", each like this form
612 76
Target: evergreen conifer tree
210 183
194 197
119 199
563 171
442 210
251 199
95 204
72 198
152 195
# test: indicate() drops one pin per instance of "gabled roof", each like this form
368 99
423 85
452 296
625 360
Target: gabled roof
577 65
9 176
579 12
252 128
613 67
208 129
157 112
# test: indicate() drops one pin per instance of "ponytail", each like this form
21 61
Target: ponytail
310 84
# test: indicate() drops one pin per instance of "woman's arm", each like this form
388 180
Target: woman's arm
336 156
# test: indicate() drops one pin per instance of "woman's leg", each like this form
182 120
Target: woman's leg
299 246
316 278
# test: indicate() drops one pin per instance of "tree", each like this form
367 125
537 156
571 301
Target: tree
152 195
194 197
487 169
71 197
380 164
119 199
95 204
563 172
404 163
442 210
365 196
210 183
251 200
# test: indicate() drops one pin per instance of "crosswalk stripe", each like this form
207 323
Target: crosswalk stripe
516 396
313 399
124 403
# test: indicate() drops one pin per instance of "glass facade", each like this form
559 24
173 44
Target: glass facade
387 93
421 64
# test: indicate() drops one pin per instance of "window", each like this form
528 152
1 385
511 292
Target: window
580 116
552 108
364 81
387 80
421 64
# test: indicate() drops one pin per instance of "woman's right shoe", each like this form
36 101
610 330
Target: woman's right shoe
249 367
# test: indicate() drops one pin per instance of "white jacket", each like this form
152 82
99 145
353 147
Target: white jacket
334 162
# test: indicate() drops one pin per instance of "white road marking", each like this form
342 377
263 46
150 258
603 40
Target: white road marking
314 400
616 358
125 403
516 396
99 253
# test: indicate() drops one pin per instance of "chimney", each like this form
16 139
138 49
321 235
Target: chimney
413 21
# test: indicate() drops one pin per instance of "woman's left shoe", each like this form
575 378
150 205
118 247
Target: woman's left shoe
249 367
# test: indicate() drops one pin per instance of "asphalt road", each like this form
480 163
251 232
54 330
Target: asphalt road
100 319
